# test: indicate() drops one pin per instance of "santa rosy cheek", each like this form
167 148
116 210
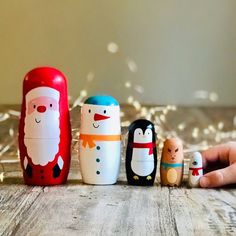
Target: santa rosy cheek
30 108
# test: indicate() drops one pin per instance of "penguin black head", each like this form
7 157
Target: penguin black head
144 129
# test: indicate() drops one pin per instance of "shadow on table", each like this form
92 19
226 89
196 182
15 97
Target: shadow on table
12 180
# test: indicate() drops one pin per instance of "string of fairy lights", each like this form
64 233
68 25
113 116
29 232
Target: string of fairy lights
201 137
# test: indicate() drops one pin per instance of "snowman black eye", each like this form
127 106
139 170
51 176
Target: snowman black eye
50 105
139 133
34 106
104 111
89 111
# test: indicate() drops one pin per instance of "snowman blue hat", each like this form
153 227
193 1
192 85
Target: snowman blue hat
102 100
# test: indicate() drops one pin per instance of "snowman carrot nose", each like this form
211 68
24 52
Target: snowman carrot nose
100 117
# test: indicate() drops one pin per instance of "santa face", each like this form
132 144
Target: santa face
196 160
172 151
97 119
42 113
42 127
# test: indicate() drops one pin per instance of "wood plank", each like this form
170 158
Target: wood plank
15 199
78 209
97 210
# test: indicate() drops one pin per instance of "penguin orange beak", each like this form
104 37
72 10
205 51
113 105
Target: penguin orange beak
100 117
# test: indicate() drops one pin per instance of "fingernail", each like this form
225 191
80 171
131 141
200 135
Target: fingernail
204 182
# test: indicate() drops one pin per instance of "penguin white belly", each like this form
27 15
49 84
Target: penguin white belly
142 163
101 164
194 179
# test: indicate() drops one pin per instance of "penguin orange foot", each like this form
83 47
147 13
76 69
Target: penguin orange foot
136 177
149 177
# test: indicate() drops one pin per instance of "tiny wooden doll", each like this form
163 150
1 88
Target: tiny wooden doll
44 129
141 153
171 169
100 140
195 170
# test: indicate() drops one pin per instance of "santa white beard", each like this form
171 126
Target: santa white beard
42 139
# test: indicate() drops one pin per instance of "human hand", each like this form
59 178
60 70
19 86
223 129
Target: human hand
220 164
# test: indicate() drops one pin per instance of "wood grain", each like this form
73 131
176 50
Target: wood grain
79 209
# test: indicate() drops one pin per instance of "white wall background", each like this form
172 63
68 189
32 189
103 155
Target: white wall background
178 46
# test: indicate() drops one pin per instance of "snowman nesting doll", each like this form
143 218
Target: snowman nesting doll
100 140
195 170
44 128
141 153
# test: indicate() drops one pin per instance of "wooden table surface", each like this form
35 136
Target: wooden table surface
79 209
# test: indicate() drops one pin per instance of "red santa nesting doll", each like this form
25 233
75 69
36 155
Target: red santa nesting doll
44 129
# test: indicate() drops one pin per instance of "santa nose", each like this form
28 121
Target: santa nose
100 117
41 109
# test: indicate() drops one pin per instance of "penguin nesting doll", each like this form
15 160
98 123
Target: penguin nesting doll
44 129
141 153
171 169
195 170
100 140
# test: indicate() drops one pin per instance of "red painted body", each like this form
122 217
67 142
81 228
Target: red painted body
36 174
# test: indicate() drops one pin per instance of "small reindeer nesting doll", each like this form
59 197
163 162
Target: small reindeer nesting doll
141 153
195 170
171 169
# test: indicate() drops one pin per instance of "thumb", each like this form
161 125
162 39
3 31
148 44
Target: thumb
219 177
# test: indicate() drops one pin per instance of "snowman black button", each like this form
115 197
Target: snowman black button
98 172
98 147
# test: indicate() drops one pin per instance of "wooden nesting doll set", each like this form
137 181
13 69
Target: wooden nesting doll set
45 138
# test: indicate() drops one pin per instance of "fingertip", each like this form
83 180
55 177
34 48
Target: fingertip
204 182
212 179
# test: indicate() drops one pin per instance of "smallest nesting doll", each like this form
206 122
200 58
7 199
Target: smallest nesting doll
141 153
195 170
172 163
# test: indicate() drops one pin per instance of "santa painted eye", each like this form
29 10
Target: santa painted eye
50 105
104 111
176 150
34 106
89 111
169 150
